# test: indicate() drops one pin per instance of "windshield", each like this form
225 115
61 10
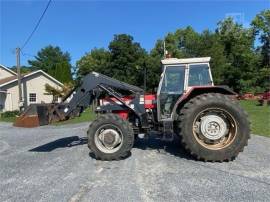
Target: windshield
173 81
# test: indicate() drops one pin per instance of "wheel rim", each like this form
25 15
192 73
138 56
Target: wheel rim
108 138
214 128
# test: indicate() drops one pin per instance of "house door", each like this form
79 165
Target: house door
2 101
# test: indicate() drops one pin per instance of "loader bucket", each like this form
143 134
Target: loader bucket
38 115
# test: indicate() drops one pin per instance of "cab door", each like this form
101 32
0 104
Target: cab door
171 87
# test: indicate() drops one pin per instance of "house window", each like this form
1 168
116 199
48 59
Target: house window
32 97
55 99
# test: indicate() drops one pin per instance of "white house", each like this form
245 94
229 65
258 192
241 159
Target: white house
33 88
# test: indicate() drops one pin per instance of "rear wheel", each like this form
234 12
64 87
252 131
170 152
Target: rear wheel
110 137
213 127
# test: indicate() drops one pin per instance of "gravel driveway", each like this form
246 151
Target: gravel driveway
53 163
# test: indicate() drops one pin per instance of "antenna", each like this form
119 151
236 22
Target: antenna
164 49
165 52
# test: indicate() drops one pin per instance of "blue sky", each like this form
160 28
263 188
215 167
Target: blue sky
79 26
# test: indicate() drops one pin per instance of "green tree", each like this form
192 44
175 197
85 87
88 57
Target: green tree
96 60
24 69
185 43
180 44
59 92
210 45
153 65
261 27
62 72
54 62
153 71
188 42
127 59
238 45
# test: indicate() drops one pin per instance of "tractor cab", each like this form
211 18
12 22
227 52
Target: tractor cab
178 76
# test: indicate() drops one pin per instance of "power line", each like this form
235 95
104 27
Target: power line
27 54
35 28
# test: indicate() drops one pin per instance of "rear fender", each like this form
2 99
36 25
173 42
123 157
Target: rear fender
198 90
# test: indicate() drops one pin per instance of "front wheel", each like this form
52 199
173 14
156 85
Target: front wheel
213 127
110 137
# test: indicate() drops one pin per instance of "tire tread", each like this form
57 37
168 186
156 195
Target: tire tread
196 102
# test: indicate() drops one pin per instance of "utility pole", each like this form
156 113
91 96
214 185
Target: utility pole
18 52
144 77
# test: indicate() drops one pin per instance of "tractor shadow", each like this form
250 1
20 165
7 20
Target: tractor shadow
163 147
151 143
173 147
65 142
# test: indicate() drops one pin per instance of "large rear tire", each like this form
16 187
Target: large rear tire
110 137
213 127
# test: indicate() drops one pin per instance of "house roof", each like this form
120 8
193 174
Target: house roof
5 80
7 69
12 79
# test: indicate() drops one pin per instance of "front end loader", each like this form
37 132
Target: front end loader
207 118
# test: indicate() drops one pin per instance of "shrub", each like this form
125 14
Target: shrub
9 114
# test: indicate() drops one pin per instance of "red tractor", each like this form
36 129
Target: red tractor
207 118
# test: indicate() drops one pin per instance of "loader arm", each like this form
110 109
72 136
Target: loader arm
91 85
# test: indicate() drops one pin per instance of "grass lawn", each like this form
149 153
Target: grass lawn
87 116
7 119
259 117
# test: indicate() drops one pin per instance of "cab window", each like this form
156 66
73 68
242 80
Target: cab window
199 75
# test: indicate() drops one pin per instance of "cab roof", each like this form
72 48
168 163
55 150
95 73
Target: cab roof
171 61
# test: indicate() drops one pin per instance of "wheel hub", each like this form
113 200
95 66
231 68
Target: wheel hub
109 138
213 127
